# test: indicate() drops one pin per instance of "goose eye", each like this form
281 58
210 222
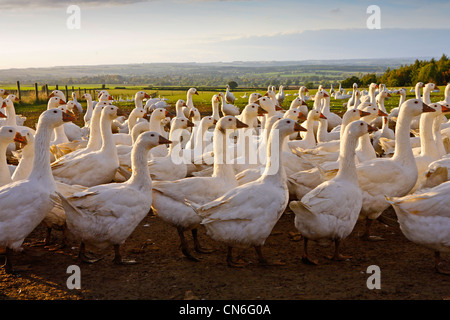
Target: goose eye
288 121
55 111
152 135
10 130
230 119
416 102
361 124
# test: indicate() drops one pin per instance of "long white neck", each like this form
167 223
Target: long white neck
437 124
403 151
60 135
274 170
222 167
309 136
347 165
417 92
427 144
108 144
89 109
5 176
372 95
140 178
25 166
215 111
426 95
322 130
42 171
447 94
155 124
380 103
11 116
138 102
95 137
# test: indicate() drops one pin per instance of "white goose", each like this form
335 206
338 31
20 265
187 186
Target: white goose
215 101
25 203
25 165
227 108
309 141
189 101
229 96
171 167
89 108
332 118
107 214
393 177
239 219
424 219
7 135
125 138
95 167
169 196
330 211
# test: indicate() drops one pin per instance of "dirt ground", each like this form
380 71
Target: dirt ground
163 273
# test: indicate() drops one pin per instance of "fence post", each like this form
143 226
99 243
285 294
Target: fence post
18 90
67 94
36 90
46 90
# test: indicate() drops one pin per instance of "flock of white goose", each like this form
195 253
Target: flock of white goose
233 172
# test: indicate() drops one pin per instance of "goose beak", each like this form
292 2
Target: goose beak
6 93
304 103
68 117
163 140
3 104
322 116
301 116
381 113
146 96
190 124
388 95
427 108
110 98
261 111
326 95
191 114
278 108
363 113
51 95
298 127
61 102
240 124
215 121
445 109
196 92
371 128
20 139
2 115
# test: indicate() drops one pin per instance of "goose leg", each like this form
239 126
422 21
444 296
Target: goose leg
366 236
45 242
233 263
305 257
118 257
264 261
84 257
437 264
184 245
197 245
8 264
337 256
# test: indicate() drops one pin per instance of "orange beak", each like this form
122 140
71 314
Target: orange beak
146 96
363 113
20 138
68 117
16 99
51 95
298 127
3 104
322 116
381 113
110 98
445 109
371 128
301 116
163 140
278 108
61 102
2 115
427 108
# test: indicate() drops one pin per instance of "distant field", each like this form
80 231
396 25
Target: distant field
201 101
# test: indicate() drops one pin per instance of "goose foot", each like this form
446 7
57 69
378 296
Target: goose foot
438 264
233 263
184 246
198 247
338 256
366 236
118 257
45 242
263 261
305 257
84 257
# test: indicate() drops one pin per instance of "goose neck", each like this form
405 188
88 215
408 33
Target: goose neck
427 144
222 167
41 163
140 177
347 164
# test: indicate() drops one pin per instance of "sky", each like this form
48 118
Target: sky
36 34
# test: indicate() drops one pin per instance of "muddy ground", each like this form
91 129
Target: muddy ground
163 273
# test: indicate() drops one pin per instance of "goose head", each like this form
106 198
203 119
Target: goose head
54 118
267 104
192 91
86 96
415 107
3 92
294 114
55 102
58 94
141 95
229 123
253 110
285 127
9 135
359 128
353 115
430 87
315 115
102 92
401 91
13 97
137 113
111 112
445 107
373 111
151 139
254 97
27 141
159 114
181 123
208 122
105 96
194 114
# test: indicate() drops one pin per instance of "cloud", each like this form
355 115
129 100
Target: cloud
21 4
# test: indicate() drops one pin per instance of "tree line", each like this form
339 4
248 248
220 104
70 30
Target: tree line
424 71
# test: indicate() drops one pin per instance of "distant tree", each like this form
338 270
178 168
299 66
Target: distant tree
233 84
348 83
